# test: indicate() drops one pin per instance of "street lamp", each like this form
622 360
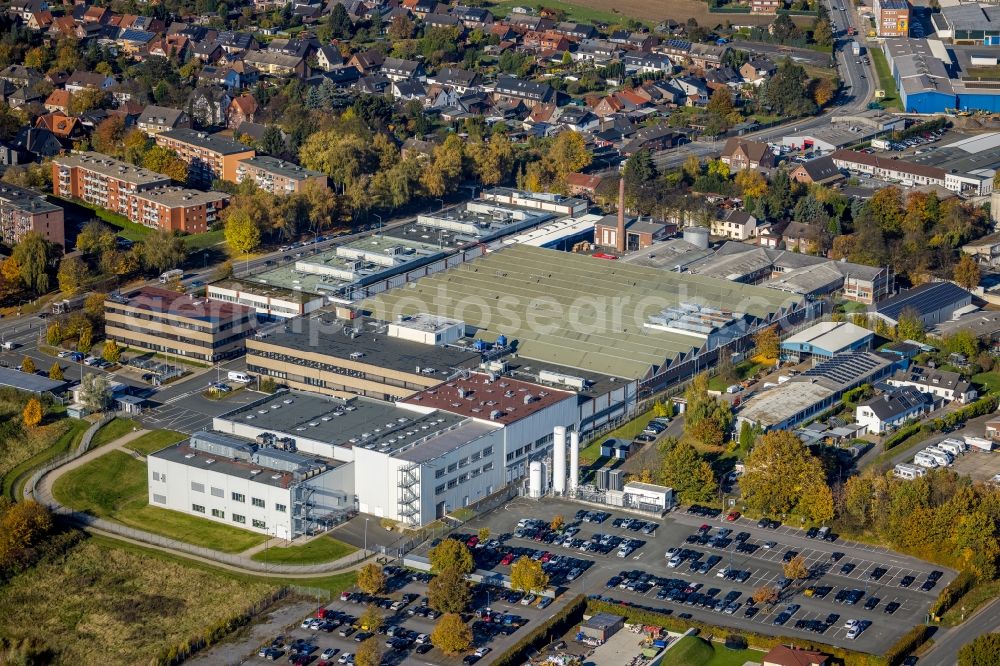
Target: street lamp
442 203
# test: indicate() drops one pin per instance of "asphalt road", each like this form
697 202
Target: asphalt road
948 643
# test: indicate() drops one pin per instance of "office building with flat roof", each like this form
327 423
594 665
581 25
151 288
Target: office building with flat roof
277 176
208 156
260 484
892 18
23 210
178 324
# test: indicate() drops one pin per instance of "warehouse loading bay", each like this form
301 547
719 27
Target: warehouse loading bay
840 565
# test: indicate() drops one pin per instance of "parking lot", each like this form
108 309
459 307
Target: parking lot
601 556
851 569
407 627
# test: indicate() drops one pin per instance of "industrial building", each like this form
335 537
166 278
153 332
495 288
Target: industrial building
827 339
892 18
561 234
932 303
264 485
934 77
370 265
968 23
815 390
597 316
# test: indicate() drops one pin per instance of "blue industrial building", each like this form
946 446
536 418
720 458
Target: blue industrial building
936 78
827 339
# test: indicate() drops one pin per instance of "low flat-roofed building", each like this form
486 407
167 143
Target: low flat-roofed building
828 339
602 626
178 324
533 284
353 358
556 204
787 655
789 404
639 233
264 486
651 496
276 175
23 210
30 382
932 303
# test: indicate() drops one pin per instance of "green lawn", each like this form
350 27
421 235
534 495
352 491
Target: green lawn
113 486
112 431
126 228
988 382
695 651
201 241
886 82
320 549
154 441
14 479
627 431
573 12
742 370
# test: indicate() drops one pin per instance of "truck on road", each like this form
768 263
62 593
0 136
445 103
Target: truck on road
856 49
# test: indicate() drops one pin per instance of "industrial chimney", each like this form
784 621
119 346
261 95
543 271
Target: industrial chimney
574 460
620 237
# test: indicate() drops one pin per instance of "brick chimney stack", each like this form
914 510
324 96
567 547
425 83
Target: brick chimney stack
620 237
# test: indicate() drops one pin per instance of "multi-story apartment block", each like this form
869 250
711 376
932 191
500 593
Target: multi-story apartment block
209 156
177 208
102 180
166 321
275 175
23 210
892 18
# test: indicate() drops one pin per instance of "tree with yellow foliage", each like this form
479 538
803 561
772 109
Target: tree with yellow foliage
32 414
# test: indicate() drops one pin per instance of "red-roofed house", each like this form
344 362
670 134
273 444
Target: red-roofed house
40 20
58 100
583 184
782 655
62 126
242 109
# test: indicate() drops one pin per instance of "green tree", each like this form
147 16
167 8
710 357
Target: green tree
72 275
448 592
371 579
981 651
786 93
527 575
371 619
56 372
165 161
451 554
781 476
483 534
95 392
112 352
96 237
823 32
690 475
31 254
707 418
910 326
369 653
967 272
54 334
241 232
567 154
163 250
451 634
32 414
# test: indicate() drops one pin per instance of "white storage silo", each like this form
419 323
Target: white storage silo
535 479
559 459
574 459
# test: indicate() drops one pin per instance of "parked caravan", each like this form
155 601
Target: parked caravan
951 446
925 460
942 458
908 472
979 442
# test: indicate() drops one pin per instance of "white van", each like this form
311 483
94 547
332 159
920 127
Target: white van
10 345
241 377
925 460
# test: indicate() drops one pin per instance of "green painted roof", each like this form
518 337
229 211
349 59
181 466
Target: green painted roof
574 310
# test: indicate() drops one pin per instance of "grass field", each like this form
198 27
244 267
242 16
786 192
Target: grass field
886 82
154 441
320 549
112 431
695 651
101 604
17 462
626 431
988 382
113 486
742 370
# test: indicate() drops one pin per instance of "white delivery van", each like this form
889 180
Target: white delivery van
241 377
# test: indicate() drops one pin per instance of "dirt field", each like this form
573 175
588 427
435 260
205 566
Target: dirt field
679 10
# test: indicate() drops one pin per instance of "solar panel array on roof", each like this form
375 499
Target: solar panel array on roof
846 368
926 298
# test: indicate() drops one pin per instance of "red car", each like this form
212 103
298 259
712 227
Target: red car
507 559
704 528
546 556
733 515
473 540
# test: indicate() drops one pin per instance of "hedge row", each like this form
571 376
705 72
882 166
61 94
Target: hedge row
903 434
907 643
981 407
952 592
557 625
640 616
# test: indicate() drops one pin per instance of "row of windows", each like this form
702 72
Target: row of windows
328 367
462 478
218 513
237 497
485 453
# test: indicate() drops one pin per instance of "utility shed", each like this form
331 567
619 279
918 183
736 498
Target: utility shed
602 626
